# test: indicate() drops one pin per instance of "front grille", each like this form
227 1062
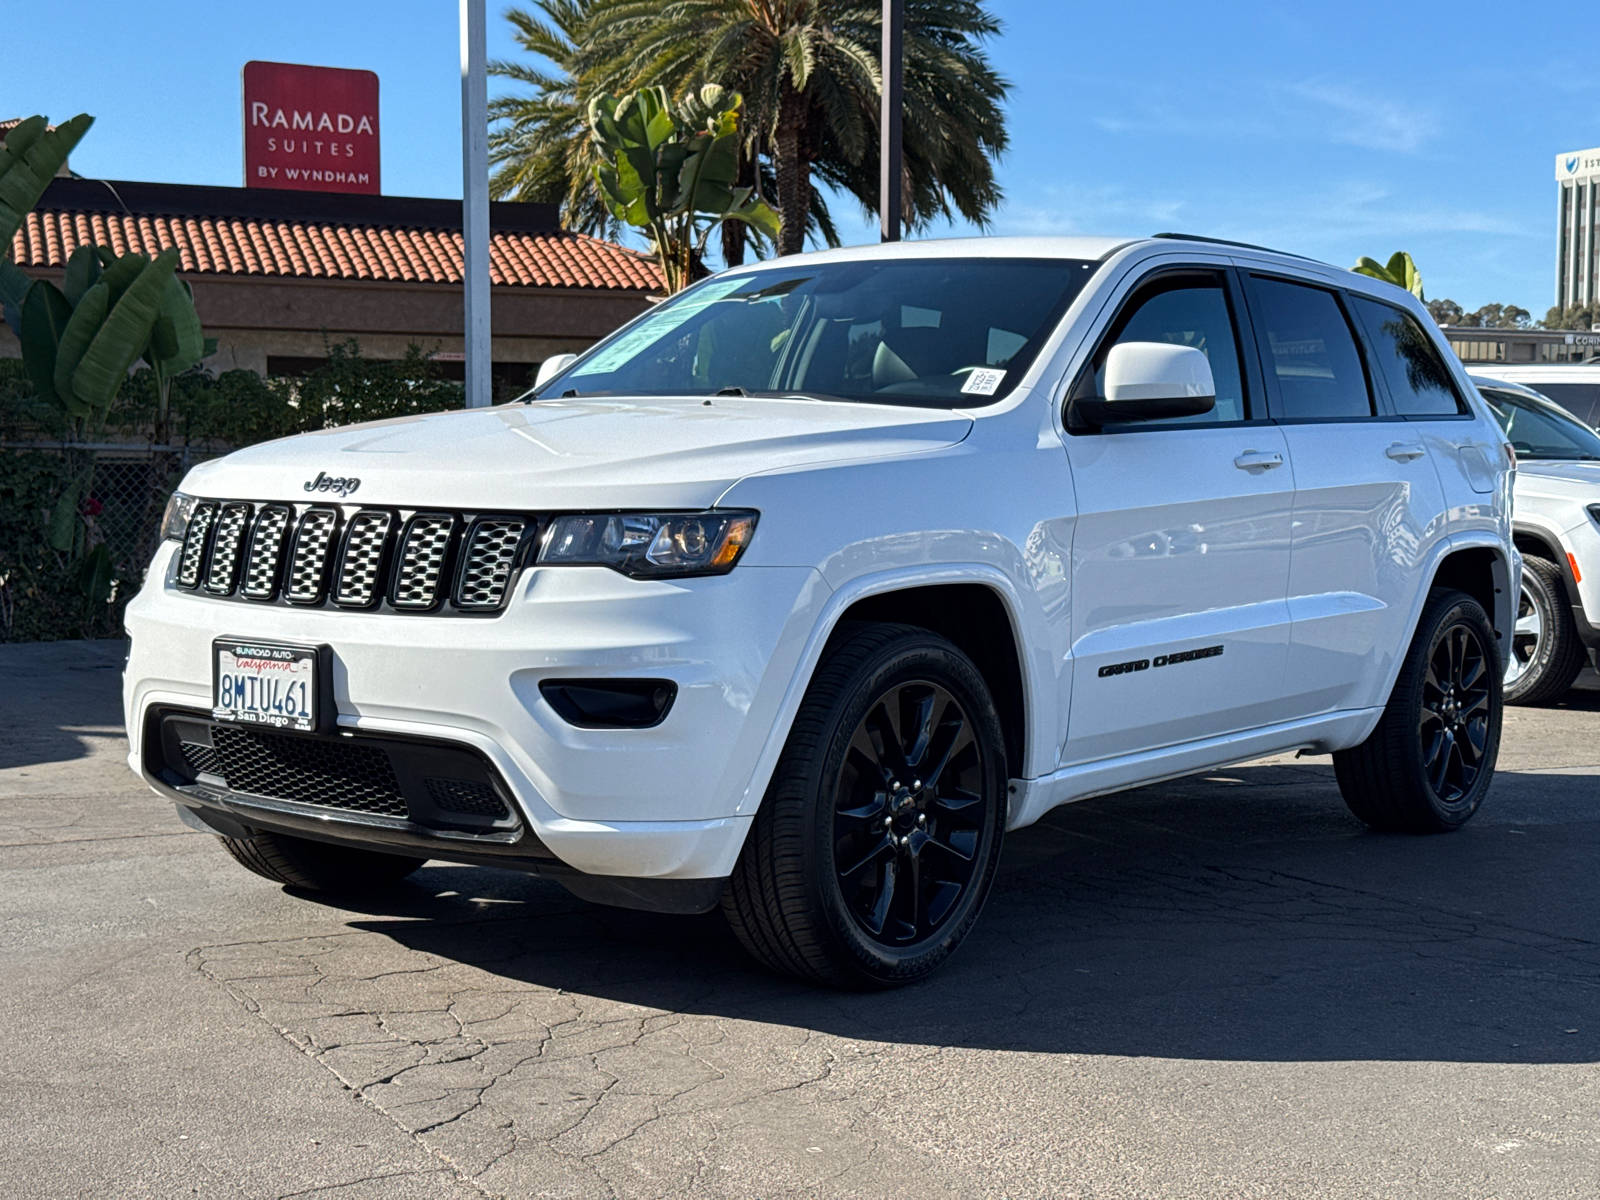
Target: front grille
363 558
330 774
223 567
486 568
385 559
193 555
465 796
308 562
422 554
266 552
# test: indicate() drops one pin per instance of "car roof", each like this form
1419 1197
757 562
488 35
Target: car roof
1083 248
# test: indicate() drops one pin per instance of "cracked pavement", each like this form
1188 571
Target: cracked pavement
1222 986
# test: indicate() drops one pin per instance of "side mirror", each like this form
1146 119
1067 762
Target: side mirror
1152 381
553 366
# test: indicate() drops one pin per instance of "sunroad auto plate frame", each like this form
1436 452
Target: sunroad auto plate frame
324 720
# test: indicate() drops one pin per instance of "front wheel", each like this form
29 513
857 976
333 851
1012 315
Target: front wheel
317 866
879 837
1429 763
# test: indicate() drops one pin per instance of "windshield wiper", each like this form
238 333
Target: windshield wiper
731 390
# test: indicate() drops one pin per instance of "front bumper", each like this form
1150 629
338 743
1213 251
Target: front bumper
666 802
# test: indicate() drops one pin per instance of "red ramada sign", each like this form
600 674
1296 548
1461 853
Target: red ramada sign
311 129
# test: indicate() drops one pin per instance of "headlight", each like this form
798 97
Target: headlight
647 545
175 521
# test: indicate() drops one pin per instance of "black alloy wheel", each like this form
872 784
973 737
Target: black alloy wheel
1453 723
909 813
879 836
1429 762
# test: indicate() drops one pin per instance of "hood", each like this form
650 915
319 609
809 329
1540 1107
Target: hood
580 453
1564 480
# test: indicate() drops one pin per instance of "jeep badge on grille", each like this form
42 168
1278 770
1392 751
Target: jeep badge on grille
326 483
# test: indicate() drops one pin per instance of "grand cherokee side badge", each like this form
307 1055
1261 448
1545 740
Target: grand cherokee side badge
326 483
1160 660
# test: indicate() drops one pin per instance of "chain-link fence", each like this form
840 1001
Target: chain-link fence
60 503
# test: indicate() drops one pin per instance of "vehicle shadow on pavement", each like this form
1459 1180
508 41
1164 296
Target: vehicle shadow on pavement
1240 915
46 681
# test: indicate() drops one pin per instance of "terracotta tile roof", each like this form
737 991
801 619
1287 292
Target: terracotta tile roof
320 246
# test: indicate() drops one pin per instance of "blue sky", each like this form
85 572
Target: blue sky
1332 130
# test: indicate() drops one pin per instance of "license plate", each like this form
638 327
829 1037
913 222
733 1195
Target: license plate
259 683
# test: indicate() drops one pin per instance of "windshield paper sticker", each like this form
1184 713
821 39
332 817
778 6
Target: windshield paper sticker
984 381
653 328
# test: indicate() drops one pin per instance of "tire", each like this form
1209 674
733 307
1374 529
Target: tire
318 866
879 689
1545 654
1430 761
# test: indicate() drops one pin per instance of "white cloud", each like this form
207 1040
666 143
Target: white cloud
1371 121
1302 112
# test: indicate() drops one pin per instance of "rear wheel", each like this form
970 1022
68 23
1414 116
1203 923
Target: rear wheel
1545 655
1429 763
879 837
317 866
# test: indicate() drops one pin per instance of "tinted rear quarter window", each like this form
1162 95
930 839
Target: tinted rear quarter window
1309 352
1419 382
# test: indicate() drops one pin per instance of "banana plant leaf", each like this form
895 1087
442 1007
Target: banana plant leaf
125 333
89 316
177 306
95 571
45 315
14 285
62 531
28 162
84 269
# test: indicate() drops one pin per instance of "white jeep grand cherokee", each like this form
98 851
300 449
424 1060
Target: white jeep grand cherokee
798 593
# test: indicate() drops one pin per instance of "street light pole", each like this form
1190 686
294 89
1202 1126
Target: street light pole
475 203
889 163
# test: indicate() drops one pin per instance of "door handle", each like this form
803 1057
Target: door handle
1400 452
1258 460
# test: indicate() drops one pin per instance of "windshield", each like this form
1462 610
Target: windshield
932 333
1539 429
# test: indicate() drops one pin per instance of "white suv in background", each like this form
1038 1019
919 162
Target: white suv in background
1557 528
798 593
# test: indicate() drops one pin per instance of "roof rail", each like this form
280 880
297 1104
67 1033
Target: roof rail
1195 237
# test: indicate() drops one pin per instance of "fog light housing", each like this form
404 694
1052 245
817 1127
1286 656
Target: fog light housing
610 703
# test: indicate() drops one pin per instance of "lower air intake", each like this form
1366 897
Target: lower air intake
309 771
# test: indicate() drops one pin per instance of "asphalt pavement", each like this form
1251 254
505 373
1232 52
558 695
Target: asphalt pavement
1220 987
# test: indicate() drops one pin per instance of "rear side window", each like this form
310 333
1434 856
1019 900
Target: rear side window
1309 352
1419 382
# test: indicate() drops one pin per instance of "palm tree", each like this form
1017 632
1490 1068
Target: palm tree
542 148
808 70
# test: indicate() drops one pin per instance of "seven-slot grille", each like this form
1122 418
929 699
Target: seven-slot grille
308 561
364 544
266 552
486 569
222 569
417 562
422 552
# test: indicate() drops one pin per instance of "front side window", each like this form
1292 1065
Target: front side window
933 333
1419 382
1538 429
1309 351
1188 312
